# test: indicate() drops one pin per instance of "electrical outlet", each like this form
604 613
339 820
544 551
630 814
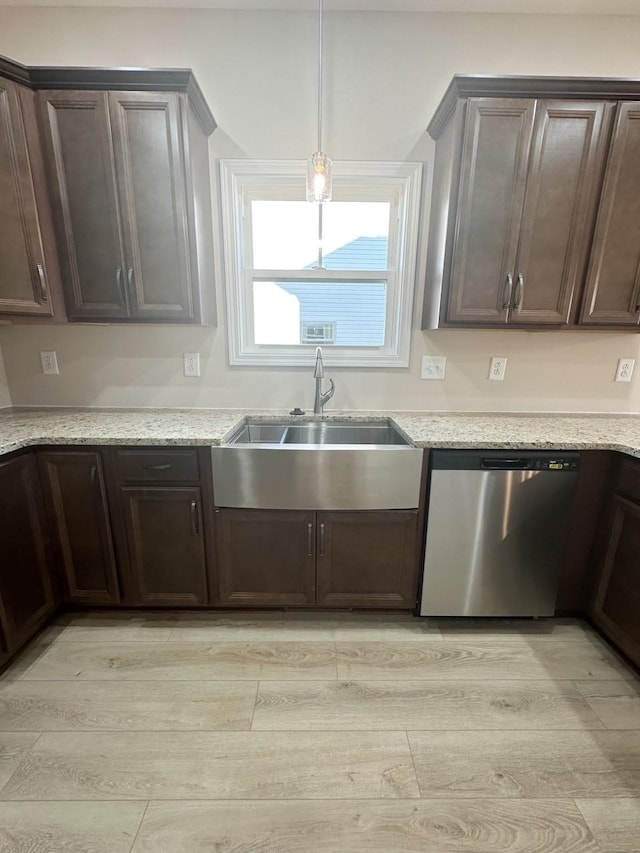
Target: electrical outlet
625 369
433 367
498 368
192 364
49 362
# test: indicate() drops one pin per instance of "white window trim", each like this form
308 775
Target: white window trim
240 180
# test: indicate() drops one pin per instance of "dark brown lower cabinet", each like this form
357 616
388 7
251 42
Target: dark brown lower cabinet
333 559
265 557
76 500
616 606
164 536
26 596
367 559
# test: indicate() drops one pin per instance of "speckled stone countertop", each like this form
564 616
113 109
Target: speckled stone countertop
28 427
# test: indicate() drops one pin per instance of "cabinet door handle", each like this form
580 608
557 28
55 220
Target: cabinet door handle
195 523
119 285
42 278
130 279
93 474
322 540
309 540
506 302
517 302
148 467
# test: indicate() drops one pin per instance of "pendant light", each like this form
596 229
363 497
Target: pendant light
319 165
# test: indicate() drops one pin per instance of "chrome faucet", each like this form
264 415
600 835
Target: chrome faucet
318 375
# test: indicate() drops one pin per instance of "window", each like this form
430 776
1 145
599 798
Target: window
339 275
324 333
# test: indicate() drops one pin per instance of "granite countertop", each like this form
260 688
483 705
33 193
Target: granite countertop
27 427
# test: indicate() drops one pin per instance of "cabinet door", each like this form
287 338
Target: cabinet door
77 506
81 164
367 559
617 603
165 542
148 143
23 284
564 175
495 152
612 291
265 557
26 597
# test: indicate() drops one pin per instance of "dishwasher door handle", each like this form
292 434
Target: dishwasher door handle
504 464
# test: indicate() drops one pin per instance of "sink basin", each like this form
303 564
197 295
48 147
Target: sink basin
259 434
326 465
331 432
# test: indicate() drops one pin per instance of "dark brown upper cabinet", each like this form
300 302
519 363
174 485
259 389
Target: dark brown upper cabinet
565 168
89 231
612 293
524 169
28 263
126 167
515 194
495 152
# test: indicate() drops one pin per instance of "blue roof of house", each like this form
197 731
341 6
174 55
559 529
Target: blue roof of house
363 253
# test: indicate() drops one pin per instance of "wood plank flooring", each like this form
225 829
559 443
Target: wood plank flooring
337 733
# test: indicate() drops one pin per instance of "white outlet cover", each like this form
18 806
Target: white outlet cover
433 367
49 360
192 364
497 368
624 371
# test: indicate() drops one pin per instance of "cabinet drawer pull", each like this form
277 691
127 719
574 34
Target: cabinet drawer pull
309 540
42 278
506 303
149 467
119 285
519 292
195 524
322 540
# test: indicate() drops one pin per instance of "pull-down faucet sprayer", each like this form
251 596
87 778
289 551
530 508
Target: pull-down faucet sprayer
318 375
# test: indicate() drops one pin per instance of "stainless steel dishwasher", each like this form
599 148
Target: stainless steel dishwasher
496 530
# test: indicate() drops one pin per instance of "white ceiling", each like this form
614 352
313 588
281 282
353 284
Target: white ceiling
554 7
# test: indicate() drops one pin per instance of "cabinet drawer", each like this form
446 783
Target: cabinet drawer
628 481
157 466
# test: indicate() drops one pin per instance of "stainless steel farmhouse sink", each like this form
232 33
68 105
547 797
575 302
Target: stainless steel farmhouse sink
340 465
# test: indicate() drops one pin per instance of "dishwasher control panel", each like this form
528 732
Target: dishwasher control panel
555 464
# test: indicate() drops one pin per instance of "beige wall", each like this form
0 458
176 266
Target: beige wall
385 74
5 397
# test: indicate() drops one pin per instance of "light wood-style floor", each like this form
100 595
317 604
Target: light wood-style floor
318 733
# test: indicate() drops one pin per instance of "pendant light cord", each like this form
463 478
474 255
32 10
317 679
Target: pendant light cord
320 16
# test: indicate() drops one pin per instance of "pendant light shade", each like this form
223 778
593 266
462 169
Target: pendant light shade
319 186
319 177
